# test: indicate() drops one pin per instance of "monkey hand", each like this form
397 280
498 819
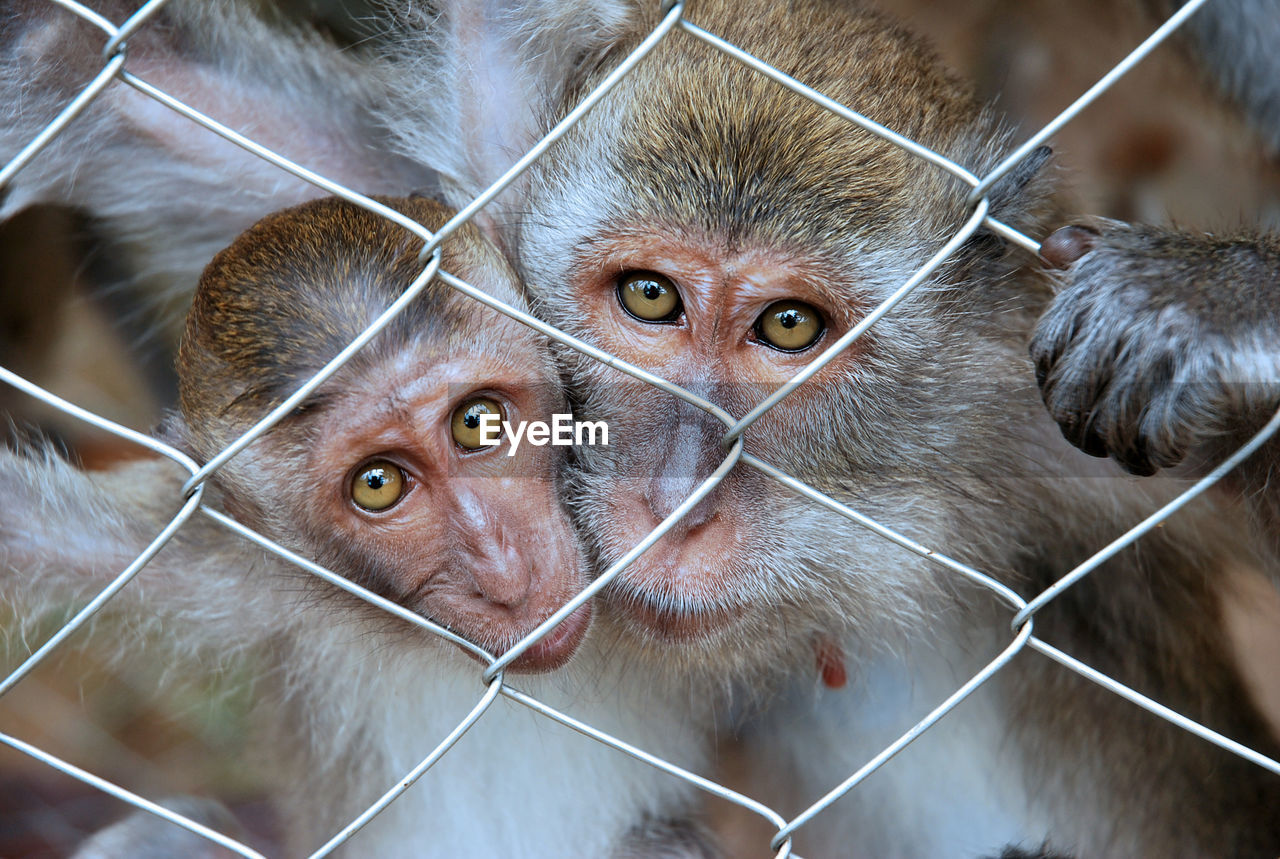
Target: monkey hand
1160 345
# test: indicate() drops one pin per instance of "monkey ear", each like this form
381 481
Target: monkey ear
477 88
166 189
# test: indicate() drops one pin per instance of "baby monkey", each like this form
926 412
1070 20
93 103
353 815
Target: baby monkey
383 477
384 474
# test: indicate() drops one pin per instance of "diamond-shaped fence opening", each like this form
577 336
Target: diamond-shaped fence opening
493 686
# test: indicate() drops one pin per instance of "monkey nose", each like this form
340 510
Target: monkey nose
501 572
664 495
694 453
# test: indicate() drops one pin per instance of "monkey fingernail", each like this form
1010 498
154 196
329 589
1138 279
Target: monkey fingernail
1067 245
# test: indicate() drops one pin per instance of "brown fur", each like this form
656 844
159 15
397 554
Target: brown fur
930 424
706 172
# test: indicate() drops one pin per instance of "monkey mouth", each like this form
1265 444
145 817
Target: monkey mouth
556 647
685 622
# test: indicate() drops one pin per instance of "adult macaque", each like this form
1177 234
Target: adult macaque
731 232
714 228
381 476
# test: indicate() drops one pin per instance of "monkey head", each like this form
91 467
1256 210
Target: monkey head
734 232
383 474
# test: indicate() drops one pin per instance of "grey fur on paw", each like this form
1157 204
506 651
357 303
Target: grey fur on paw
1147 351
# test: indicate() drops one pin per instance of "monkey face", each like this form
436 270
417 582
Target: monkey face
751 558
413 505
733 234
392 483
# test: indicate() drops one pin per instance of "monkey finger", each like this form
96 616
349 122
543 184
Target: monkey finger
1043 364
1047 348
1075 426
1053 343
1072 395
1170 427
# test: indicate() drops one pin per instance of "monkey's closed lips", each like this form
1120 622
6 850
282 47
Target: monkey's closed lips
681 624
557 647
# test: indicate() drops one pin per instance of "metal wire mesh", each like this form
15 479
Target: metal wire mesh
115 67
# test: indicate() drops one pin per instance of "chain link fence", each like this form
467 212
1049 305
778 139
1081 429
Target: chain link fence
115 70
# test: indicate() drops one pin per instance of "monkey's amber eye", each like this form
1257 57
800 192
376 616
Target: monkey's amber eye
789 326
649 296
471 430
378 485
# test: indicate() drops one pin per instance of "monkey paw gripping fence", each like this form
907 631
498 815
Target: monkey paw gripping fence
1022 611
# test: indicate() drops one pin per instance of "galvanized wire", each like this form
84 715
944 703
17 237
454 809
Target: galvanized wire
490 695
114 67
129 797
91 608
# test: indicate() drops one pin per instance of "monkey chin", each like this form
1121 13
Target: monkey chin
685 625
555 649
681 591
